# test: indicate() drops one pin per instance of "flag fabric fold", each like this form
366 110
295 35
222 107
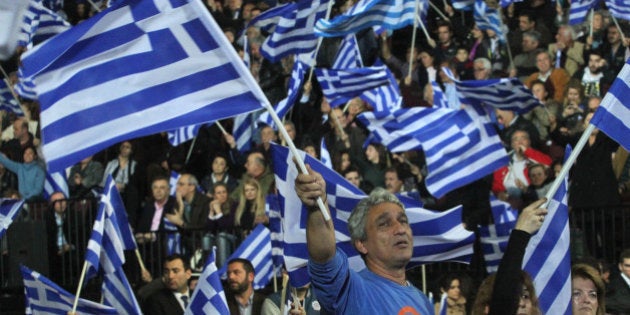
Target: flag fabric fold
39 24
389 14
613 115
183 134
9 208
208 297
341 85
164 65
548 258
283 107
488 18
293 31
112 235
494 237
505 94
56 182
46 297
579 10
257 249
8 101
619 8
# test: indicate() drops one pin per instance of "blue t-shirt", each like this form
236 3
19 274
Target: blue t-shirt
344 291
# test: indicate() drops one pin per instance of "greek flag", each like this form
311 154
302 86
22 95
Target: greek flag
293 31
348 55
579 10
55 182
613 115
385 98
283 107
488 18
341 85
389 14
461 150
443 304
46 297
208 297
25 87
8 101
172 181
275 229
619 8
9 209
396 131
257 249
439 99
173 238
11 15
494 237
135 69
506 93
39 24
547 256
110 237
324 155
243 131
181 135
438 236
267 21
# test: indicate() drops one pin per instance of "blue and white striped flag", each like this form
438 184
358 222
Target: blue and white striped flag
8 101
548 258
243 131
488 18
208 297
54 5
385 98
494 237
439 99
341 85
164 61
183 134
173 238
396 131
293 33
46 297
461 150
283 107
25 87
112 235
348 55
172 181
465 5
9 209
619 8
443 304
613 115
275 229
267 21
325 155
11 15
505 94
438 236
579 10
506 3
56 182
390 14
39 24
257 249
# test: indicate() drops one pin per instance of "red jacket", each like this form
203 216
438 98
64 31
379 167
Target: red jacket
533 157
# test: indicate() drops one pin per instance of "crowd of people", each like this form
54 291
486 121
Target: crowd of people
222 190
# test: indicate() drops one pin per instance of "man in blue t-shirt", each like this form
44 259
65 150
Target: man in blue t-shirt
380 232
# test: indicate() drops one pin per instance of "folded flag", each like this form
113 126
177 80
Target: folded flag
257 249
494 237
295 89
9 208
208 297
579 9
341 85
7 99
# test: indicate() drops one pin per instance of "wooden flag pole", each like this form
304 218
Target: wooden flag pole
76 297
413 38
221 127
283 294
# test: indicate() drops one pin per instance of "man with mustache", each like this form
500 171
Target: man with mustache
241 297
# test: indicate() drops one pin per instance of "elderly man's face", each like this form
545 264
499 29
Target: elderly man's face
389 242
393 184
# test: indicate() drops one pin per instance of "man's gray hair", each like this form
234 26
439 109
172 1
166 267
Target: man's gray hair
487 65
356 222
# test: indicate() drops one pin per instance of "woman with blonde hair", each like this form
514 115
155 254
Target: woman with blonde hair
251 207
588 291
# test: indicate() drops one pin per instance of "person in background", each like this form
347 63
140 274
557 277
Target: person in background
175 297
618 293
30 174
240 294
84 176
588 291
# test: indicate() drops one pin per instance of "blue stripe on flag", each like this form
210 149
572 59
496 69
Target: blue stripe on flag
341 85
9 208
257 249
208 297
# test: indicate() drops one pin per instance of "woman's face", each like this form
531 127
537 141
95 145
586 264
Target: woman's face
220 194
371 154
454 291
525 303
125 149
573 96
250 192
584 297
310 150
219 165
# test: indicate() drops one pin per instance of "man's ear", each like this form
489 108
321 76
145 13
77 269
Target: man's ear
360 247
251 276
